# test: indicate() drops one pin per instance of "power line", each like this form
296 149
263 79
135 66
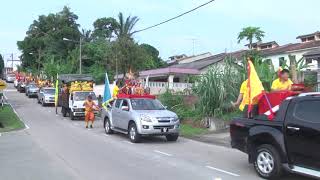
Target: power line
163 22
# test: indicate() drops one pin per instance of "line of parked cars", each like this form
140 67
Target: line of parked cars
44 95
136 116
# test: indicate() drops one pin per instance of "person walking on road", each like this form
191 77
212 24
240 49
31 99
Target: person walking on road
90 106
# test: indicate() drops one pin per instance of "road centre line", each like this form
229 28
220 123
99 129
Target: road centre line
163 153
9 90
223 171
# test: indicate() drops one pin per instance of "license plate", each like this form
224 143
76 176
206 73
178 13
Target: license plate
165 129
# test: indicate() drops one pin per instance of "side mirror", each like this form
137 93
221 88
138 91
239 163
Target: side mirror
125 108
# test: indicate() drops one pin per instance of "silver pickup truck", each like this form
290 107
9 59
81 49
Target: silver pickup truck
141 117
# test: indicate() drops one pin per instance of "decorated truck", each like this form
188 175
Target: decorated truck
73 92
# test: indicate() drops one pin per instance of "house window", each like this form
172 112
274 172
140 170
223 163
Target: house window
310 38
303 39
308 61
282 61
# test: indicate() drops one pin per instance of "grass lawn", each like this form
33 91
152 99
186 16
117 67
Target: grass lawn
9 121
189 131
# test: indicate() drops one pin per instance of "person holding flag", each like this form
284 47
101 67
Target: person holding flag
250 92
107 98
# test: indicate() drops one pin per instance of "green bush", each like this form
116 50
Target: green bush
174 102
218 87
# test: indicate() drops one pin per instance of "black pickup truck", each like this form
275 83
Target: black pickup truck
289 143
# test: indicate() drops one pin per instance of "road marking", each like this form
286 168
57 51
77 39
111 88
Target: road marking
9 90
163 153
128 142
223 171
218 178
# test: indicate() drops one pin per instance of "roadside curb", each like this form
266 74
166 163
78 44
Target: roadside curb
218 139
26 127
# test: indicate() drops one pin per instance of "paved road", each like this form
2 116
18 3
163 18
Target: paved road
57 148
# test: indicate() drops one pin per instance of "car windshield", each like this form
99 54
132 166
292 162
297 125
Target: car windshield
49 91
32 86
81 96
146 104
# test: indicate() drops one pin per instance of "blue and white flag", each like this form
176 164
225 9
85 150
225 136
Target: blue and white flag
107 93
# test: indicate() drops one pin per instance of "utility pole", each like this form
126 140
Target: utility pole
80 59
12 60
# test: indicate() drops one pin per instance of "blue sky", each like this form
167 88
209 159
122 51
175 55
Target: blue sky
214 27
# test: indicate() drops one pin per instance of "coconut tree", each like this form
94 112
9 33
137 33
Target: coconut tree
126 26
250 33
126 49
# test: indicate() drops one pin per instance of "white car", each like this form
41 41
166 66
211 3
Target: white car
10 78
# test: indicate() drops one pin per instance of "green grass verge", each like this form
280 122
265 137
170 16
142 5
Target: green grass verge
9 120
189 131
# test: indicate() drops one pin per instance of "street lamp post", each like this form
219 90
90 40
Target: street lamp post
80 47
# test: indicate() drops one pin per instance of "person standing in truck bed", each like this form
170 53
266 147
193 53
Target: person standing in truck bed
283 82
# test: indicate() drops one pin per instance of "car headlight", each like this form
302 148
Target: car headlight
145 118
174 119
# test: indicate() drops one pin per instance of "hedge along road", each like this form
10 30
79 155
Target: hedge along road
72 152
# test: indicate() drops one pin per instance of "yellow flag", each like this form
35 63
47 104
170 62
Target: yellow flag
255 87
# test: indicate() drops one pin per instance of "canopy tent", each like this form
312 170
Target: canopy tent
67 78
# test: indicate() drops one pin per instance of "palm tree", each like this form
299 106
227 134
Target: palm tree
125 26
249 33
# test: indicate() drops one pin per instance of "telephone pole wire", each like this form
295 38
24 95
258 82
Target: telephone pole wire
176 17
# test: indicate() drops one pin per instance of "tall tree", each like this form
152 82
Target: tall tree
251 33
86 35
104 28
125 47
1 64
126 26
154 60
45 38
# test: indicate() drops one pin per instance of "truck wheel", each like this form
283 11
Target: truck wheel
133 133
267 162
107 126
172 137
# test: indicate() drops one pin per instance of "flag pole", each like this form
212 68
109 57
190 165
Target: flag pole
56 94
271 116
